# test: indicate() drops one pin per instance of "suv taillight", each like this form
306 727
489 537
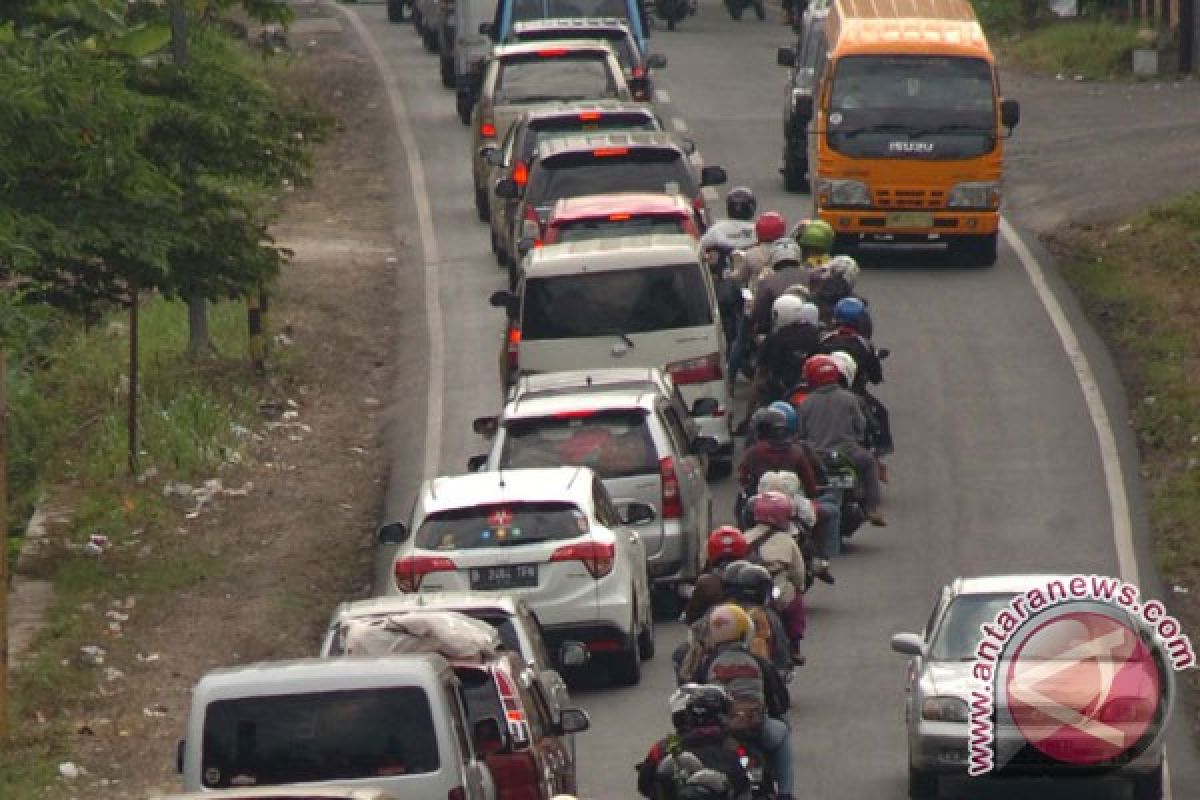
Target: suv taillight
531 225
672 505
410 570
515 775
520 173
696 370
598 557
512 349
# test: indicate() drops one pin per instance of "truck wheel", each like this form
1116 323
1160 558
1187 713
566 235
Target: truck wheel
922 785
975 251
430 39
795 174
447 70
1149 786
481 204
418 22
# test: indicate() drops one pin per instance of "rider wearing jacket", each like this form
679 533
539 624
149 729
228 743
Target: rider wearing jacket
774 449
850 315
748 268
772 543
700 715
726 544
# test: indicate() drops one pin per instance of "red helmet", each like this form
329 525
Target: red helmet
821 370
772 508
770 226
726 542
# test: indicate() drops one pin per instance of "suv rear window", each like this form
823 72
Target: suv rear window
606 170
616 302
326 736
613 443
577 76
505 525
618 225
547 128
621 42
549 9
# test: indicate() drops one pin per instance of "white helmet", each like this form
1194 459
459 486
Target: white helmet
785 251
845 266
800 290
787 310
846 365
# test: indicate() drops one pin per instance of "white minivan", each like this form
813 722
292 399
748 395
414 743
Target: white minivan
397 724
628 301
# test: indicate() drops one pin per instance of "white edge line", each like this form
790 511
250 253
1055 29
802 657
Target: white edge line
429 244
1118 500
662 96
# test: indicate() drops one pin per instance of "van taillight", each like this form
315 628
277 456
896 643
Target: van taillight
672 504
512 350
696 370
410 570
598 557
515 775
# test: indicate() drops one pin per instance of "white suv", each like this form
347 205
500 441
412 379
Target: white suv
551 536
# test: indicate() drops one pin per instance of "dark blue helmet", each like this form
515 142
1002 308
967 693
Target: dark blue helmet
850 311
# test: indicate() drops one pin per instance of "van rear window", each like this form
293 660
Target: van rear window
641 169
326 736
626 301
613 443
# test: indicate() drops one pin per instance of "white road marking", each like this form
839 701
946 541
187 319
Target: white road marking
678 124
662 96
1118 500
429 243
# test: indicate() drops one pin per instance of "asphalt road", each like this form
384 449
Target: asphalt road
997 469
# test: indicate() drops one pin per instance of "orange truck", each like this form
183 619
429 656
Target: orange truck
905 125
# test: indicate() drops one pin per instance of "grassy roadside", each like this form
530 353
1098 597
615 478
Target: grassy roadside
1140 283
68 393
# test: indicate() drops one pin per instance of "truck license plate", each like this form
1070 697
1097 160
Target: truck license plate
910 219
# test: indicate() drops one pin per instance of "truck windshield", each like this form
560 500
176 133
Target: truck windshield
931 107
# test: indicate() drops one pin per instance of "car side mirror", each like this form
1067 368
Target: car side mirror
524 246
1010 113
908 644
179 748
705 406
636 513
656 61
506 300
573 654
574 720
883 353
802 105
485 426
486 28
785 57
477 463
704 445
713 176
392 533
493 156
506 188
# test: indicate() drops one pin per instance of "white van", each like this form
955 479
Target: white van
397 724
628 301
471 49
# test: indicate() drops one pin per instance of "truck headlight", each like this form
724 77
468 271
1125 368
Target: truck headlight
843 193
944 709
984 194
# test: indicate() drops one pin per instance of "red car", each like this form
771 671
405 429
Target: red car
600 216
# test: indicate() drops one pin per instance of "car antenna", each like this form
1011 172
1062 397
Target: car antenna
589 380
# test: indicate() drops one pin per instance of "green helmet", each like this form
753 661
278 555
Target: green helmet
817 235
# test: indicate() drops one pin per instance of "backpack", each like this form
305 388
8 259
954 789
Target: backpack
743 676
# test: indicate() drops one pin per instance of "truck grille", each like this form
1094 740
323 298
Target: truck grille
910 198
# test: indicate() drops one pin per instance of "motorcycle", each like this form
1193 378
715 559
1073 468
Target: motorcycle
843 483
737 7
758 770
675 11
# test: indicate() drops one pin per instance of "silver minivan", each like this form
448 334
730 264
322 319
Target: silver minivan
628 301
632 428
396 724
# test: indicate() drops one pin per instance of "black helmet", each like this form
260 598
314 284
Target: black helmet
751 584
740 203
731 574
770 424
696 705
706 784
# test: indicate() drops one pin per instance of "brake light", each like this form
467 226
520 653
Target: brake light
552 52
672 505
531 225
573 414
515 775
512 349
639 72
698 203
606 152
410 570
696 370
520 173
619 217
487 130
589 116
598 557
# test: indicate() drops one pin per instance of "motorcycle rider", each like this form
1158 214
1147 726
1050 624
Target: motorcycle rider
795 334
833 281
759 697
726 544
772 543
809 515
775 449
832 418
700 715
750 586
815 238
850 316
719 242
747 269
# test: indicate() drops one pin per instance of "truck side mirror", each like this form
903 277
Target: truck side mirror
802 105
1010 113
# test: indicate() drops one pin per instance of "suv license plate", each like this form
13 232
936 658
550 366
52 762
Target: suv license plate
909 219
506 576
